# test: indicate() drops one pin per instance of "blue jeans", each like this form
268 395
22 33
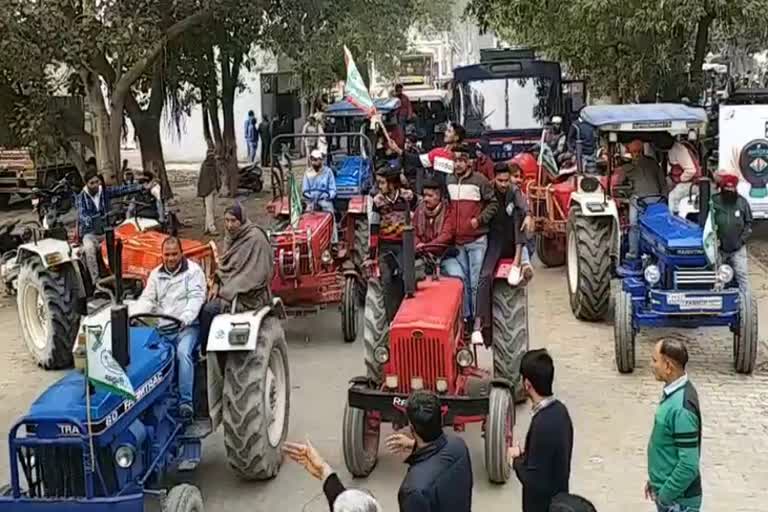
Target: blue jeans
467 266
252 145
673 508
738 261
186 343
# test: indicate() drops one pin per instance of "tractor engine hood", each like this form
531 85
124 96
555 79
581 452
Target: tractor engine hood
673 236
149 371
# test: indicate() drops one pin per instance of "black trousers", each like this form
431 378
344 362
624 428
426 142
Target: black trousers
390 266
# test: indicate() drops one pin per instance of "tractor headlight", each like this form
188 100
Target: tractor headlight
652 274
239 334
442 385
589 184
124 456
417 383
391 381
326 257
724 274
464 358
381 354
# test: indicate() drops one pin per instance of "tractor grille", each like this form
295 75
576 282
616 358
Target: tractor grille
418 357
58 472
694 279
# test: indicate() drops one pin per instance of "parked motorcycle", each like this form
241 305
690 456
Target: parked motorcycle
251 178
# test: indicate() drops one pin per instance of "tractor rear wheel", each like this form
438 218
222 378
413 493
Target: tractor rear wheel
256 404
624 333
551 251
510 331
46 305
375 329
745 339
589 265
498 434
349 301
183 498
360 440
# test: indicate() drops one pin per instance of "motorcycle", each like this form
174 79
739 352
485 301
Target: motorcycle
251 178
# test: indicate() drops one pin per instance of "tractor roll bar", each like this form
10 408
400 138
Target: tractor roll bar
409 255
277 171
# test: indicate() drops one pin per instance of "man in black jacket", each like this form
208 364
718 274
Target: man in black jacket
544 466
440 474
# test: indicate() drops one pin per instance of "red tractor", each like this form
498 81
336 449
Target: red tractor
311 272
424 348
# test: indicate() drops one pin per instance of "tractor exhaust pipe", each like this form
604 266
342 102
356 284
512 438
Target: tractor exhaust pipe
409 256
705 191
121 335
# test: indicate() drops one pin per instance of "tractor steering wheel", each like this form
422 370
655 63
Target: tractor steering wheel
643 202
142 319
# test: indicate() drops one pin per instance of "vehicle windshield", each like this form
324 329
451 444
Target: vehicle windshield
506 103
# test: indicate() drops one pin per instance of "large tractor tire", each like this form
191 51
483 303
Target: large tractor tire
46 306
745 340
360 250
256 404
349 302
589 265
375 329
551 251
624 333
510 332
360 439
183 498
498 434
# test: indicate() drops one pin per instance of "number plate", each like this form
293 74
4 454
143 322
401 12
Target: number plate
685 302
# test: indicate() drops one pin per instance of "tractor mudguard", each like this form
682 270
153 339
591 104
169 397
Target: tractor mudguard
503 268
503 383
52 252
246 324
358 205
595 204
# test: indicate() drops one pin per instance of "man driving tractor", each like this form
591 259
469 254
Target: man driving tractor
177 288
319 187
245 270
645 178
92 207
387 223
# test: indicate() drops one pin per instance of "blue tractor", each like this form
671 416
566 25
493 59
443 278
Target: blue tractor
673 284
81 448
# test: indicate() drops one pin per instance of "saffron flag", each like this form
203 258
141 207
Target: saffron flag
101 368
354 89
294 200
710 236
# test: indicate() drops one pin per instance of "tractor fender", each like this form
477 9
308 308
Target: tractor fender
52 252
358 205
595 204
503 268
503 383
249 321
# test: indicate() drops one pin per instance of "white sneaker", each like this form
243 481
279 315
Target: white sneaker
477 338
515 276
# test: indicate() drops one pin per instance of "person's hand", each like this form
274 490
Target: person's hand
474 223
648 491
528 225
514 451
392 145
213 292
420 247
307 456
400 443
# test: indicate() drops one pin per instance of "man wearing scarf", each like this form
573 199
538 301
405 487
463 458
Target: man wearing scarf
245 270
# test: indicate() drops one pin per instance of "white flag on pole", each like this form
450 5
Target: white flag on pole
102 369
710 236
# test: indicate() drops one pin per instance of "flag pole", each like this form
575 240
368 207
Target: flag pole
88 417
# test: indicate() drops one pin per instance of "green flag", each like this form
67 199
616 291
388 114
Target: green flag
101 368
354 89
294 200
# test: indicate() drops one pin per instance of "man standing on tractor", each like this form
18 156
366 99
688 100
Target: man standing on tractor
405 112
177 288
684 172
92 207
555 138
733 219
507 237
646 179
473 205
245 270
319 187
586 133
387 223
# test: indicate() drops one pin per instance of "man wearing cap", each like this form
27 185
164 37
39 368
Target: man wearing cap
555 137
733 219
319 186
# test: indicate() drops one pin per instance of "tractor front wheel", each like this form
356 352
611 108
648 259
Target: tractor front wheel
510 332
551 250
375 329
498 434
745 339
624 333
256 404
46 305
184 498
360 440
589 265
349 301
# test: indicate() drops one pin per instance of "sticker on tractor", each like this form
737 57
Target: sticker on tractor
687 303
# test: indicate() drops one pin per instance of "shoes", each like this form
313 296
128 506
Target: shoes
477 338
527 272
515 276
186 411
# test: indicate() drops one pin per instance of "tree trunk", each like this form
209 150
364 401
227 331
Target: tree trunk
148 133
696 83
104 150
229 80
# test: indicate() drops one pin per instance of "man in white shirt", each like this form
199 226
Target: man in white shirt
177 288
684 171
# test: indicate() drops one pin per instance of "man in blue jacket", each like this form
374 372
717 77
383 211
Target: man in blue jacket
251 136
319 186
440 471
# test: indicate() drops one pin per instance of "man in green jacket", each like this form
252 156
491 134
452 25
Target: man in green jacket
733 219
674 481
